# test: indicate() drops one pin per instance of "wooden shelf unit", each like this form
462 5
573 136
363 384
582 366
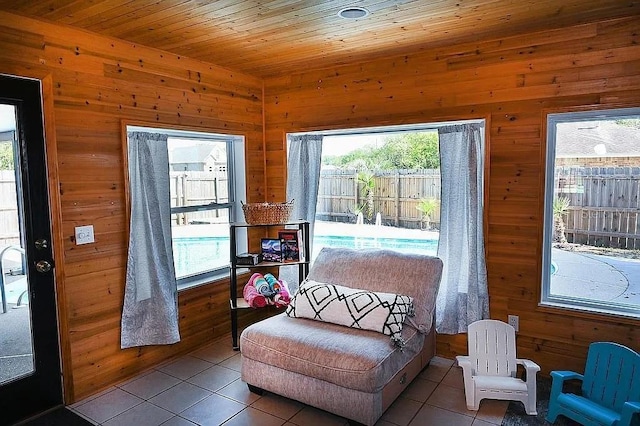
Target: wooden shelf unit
236 302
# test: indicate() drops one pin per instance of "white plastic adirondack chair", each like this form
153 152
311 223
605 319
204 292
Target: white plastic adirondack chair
490 368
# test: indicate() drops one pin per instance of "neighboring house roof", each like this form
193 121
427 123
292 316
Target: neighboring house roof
597 139
191 154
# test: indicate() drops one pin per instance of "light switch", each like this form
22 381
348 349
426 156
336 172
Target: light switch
84 235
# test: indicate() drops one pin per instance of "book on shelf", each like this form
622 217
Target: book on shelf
292 245
271 250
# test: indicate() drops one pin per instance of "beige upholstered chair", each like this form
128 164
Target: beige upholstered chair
490 368
351 372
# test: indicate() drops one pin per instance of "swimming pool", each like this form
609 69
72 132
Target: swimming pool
405 245
197 254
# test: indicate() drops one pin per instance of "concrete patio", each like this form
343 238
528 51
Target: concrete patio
15 331
598 277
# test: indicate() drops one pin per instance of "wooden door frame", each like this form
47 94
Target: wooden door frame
55 207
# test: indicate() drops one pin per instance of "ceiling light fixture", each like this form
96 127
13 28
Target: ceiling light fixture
353 12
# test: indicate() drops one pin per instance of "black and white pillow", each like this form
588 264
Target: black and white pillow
367 310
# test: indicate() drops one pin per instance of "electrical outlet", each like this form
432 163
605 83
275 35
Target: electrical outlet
514 321
84 235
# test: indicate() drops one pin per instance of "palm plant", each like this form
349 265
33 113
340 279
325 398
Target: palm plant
560 206
427 206
367 180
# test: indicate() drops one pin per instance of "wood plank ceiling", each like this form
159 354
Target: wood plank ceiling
274 37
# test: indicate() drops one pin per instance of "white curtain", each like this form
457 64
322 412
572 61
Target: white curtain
463 297
150 311
303 176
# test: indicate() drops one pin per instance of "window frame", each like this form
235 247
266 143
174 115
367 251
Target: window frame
236 187
548 300
430 126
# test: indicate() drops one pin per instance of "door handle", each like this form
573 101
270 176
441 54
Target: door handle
43 266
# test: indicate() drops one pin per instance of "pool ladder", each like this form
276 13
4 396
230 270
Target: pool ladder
3 296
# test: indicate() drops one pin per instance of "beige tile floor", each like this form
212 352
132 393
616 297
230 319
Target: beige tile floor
204 388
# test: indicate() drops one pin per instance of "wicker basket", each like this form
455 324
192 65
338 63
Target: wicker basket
267 213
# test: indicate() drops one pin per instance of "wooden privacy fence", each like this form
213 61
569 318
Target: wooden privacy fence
604 202
604 205
196 188
397 194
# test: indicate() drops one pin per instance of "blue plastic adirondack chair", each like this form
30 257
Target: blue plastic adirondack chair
610 388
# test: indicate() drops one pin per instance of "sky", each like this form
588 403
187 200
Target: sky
7 118
343 144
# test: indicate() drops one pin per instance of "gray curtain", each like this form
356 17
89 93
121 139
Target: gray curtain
303 176
150 311
463 297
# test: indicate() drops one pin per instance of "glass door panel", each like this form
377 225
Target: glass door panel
16 338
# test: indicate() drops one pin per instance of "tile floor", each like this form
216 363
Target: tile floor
204 388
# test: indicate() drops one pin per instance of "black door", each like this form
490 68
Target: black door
30 372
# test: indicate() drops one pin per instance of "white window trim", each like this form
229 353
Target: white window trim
547 299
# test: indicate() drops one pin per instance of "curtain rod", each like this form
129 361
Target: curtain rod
184 134
387 129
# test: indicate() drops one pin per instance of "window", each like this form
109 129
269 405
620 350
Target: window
387 205
592 212
206 182
379 189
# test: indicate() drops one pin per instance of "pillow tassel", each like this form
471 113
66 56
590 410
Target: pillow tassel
411 312
398 342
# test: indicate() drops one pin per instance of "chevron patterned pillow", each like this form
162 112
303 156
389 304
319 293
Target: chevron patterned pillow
367 310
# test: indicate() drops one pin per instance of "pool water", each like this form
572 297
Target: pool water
195 255
198 254
405 245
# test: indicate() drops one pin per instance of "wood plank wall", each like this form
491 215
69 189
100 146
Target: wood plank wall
511 82
97 83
